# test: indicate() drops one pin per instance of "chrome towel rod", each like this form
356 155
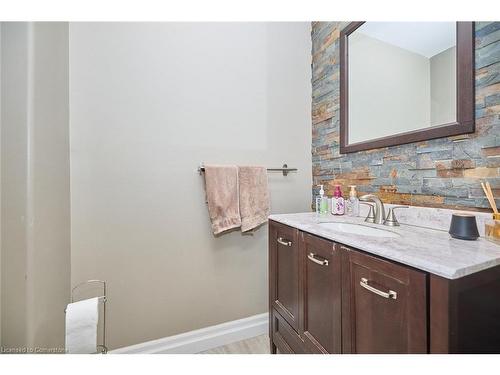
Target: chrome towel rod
284 169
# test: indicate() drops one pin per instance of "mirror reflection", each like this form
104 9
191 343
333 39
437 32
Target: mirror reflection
402 77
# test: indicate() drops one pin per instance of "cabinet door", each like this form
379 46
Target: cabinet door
384 306
284 278
322 294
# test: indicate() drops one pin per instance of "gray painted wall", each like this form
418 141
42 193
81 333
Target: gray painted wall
14 148
50 258
0 185
149 102
35 185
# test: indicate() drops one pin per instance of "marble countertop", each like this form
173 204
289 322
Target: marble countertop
426 249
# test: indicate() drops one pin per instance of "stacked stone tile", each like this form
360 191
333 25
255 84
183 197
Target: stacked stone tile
442 172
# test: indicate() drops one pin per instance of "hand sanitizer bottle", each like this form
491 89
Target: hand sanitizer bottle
338 203
321 202
352 204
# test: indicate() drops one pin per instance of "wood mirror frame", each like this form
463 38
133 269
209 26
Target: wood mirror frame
464 99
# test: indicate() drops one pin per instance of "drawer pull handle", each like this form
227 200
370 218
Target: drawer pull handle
284 242
391 294
322 262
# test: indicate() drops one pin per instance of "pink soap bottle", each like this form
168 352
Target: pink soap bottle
338 202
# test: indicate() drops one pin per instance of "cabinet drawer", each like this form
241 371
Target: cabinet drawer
384 306
286 339
284 272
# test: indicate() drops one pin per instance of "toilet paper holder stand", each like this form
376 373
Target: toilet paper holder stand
101 348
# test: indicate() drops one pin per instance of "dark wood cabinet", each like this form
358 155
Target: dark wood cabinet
321 329
384 306
465 313
325 297
284 337
284 272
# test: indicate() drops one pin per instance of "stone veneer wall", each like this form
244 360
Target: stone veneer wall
442 172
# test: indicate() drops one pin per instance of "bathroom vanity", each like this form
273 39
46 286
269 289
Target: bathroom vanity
345 286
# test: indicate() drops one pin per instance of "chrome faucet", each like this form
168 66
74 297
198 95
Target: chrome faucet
379 207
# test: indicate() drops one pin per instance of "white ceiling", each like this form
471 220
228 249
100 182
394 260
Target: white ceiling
425 38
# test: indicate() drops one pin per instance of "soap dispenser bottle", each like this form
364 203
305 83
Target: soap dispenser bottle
338 202
321 202
352 204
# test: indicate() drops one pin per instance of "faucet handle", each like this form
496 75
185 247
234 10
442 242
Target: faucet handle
370 218
391 217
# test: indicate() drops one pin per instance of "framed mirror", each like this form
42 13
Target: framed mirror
403 82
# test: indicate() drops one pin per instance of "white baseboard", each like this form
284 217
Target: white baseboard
202 339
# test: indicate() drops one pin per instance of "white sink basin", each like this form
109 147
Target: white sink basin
363 230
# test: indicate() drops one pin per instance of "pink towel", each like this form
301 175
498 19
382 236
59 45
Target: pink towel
254 197
222 189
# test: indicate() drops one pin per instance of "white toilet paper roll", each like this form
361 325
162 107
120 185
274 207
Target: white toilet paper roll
81 326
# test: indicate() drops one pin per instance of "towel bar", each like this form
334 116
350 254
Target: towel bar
283 169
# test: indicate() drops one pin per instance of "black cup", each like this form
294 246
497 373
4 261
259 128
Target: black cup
463 227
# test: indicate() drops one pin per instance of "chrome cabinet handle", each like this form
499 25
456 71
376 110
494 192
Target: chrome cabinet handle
322 262
284 242
391 294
